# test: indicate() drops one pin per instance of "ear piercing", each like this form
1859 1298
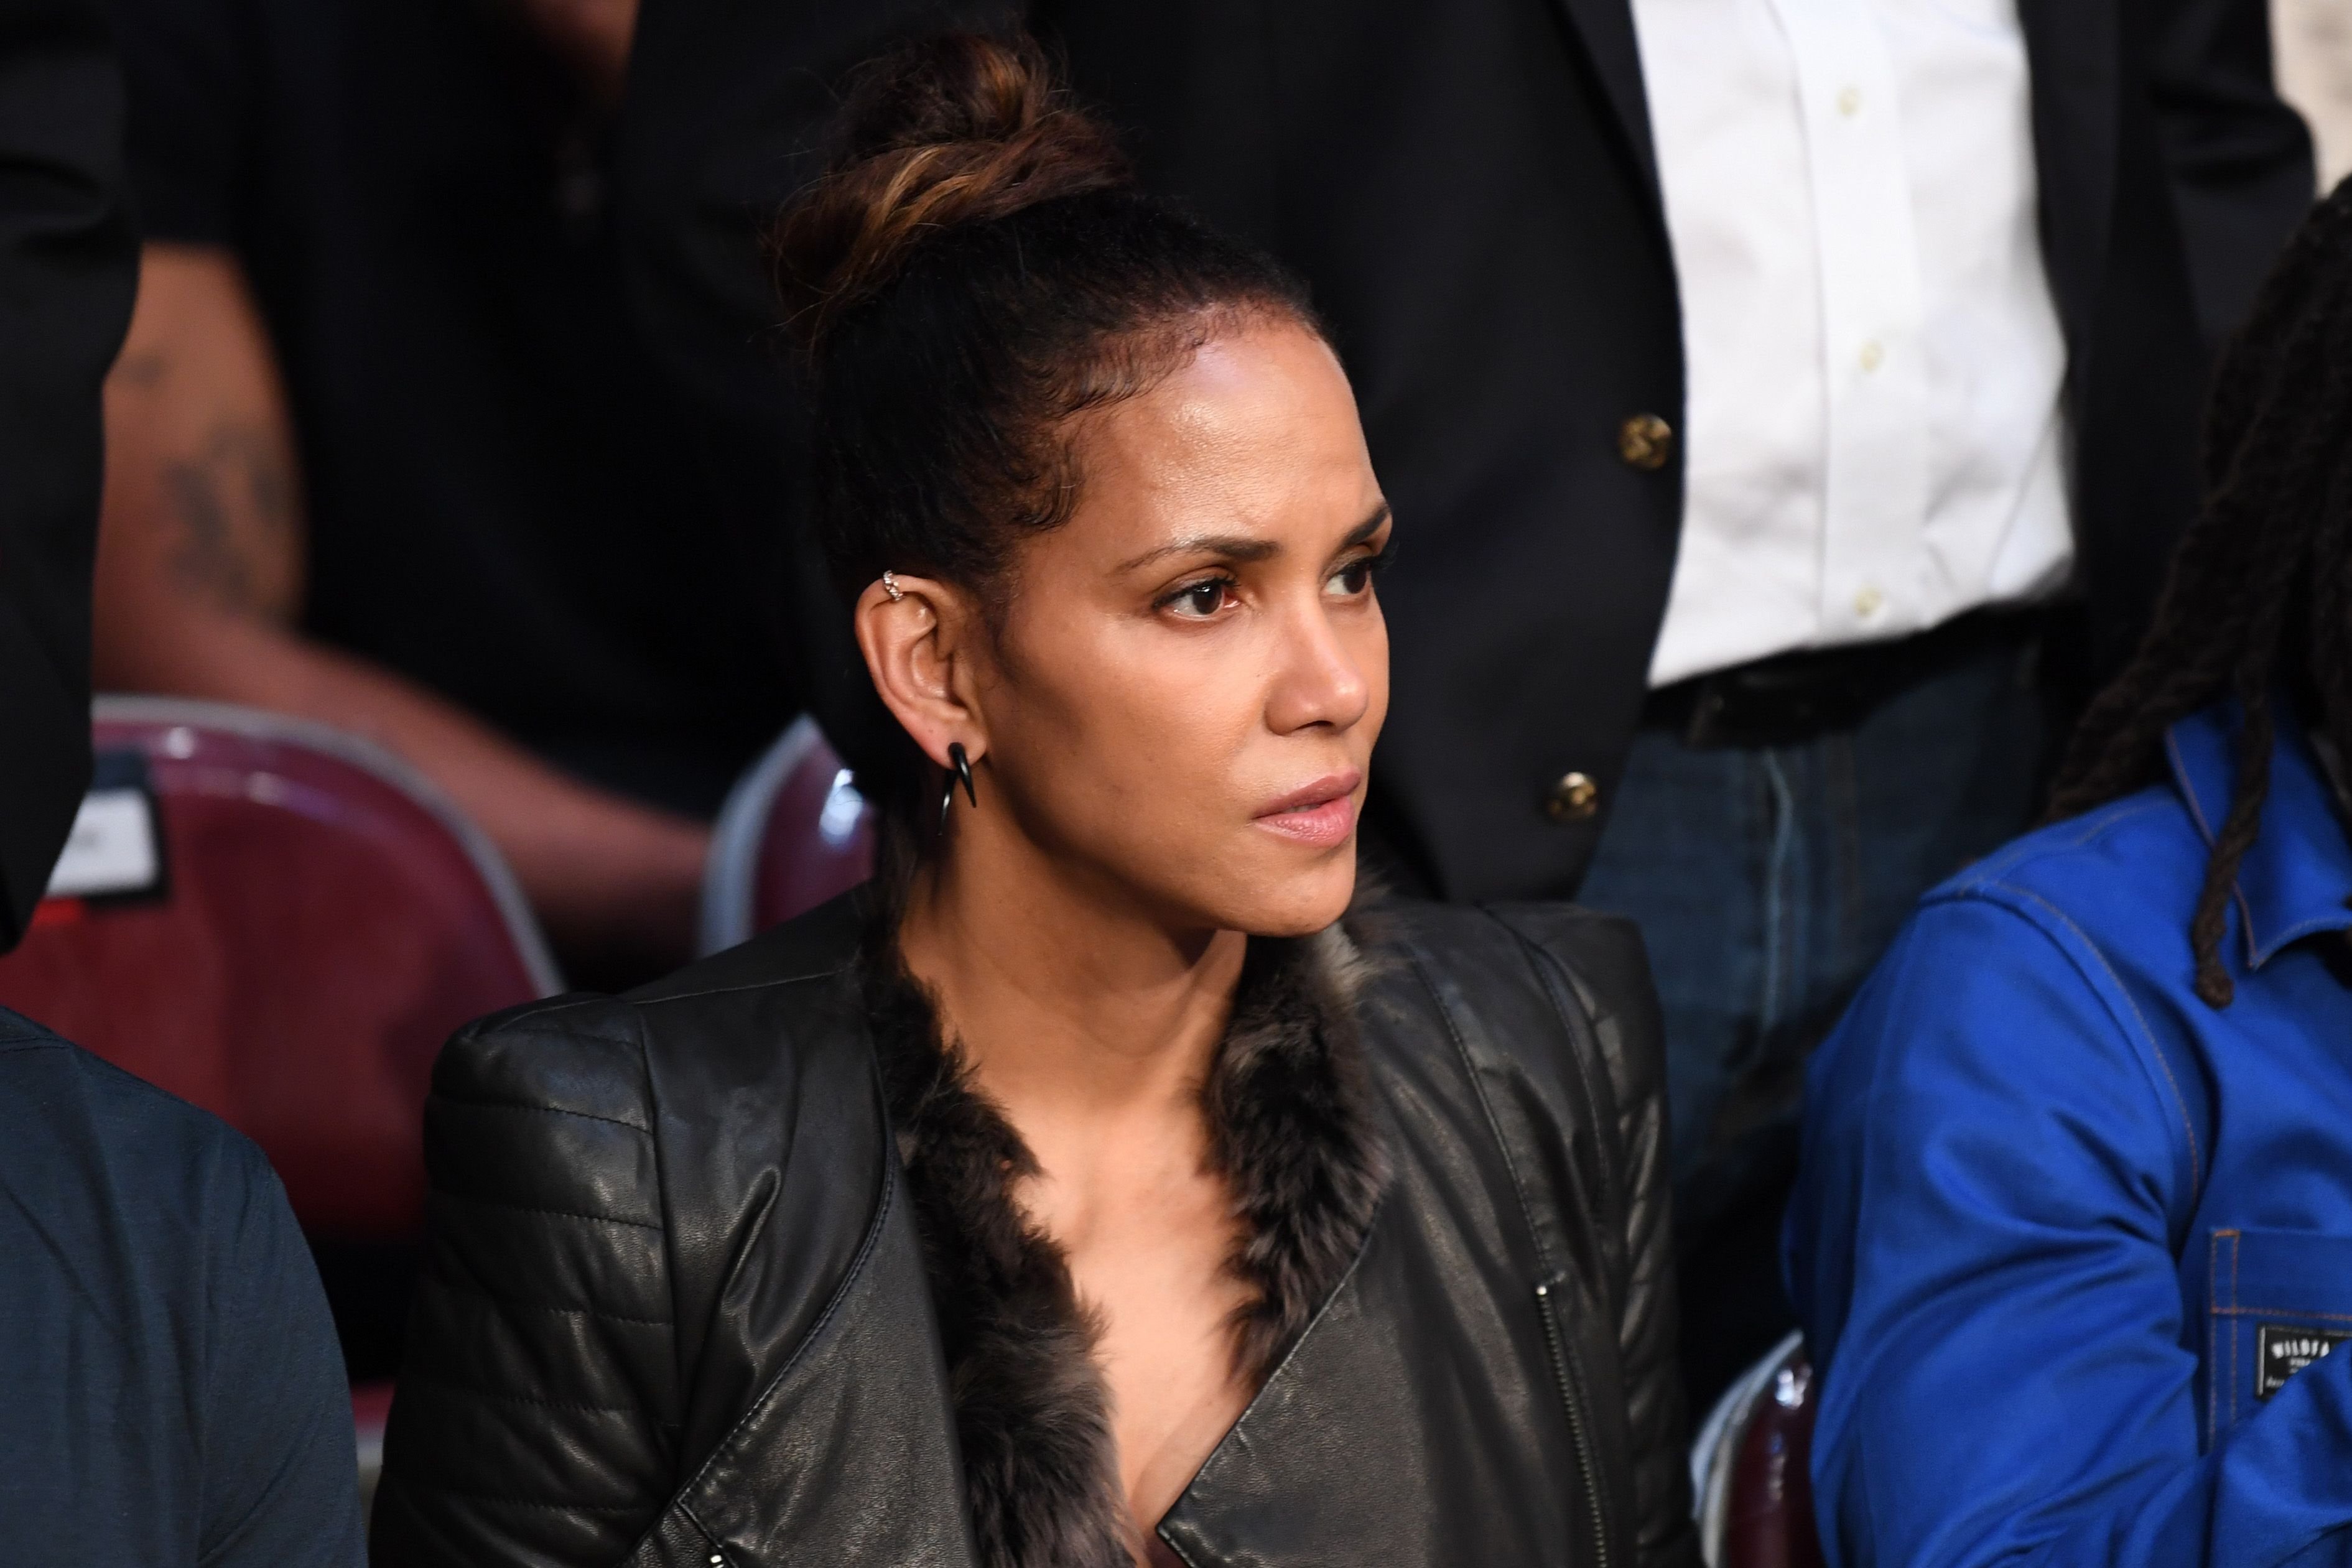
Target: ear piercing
958 772
890 587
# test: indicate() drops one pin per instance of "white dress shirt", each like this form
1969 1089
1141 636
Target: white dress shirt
1874 438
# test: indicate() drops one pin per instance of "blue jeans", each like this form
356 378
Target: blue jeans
1766 883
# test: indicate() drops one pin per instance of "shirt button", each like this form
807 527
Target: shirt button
1574 798
1850 102
1872 356
1646 442
1868 601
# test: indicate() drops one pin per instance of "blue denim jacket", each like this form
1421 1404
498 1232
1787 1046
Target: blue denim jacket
2065 1233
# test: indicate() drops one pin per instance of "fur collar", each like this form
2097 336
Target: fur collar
1291 1129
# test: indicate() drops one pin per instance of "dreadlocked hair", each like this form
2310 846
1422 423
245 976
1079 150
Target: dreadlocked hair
2260 593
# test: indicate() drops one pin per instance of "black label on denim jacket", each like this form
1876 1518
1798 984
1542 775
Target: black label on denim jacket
2280 1352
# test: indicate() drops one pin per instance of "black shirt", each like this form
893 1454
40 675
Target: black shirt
170 1390
504 504
67 263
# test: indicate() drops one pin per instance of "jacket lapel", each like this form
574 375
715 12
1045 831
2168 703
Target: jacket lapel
1605 29
2074 50
1274 1479
1291 1130
865 1397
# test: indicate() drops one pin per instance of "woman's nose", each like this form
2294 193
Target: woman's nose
1320 679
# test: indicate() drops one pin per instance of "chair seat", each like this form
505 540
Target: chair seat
321 922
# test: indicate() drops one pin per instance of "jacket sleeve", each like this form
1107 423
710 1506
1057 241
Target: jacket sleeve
2240 159
68 267
1604 962
1633 1040
536 1409
1982 1251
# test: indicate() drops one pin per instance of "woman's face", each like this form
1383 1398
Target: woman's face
1183 699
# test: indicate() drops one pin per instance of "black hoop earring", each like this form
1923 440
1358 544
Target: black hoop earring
958 772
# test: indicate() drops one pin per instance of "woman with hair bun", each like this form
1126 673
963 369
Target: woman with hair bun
1093 1189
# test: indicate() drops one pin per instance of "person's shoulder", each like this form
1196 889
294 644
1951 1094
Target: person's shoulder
2027 989
1549 989
80 1100
2101 877
1549 954
767 1005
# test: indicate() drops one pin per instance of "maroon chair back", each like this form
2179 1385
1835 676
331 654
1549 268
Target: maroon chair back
1752 1466
794 833
320 922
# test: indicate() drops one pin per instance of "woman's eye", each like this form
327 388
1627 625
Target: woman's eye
1353 577
1199 600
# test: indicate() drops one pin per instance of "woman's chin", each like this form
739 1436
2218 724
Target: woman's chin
1302 900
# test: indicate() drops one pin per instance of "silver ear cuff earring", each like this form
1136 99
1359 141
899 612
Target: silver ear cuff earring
890 587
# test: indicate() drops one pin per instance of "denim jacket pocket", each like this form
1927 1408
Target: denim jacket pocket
2279 1300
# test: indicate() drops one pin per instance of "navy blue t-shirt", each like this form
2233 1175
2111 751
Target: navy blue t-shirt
170 1392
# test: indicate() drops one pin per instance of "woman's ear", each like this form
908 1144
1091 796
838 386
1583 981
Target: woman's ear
917 648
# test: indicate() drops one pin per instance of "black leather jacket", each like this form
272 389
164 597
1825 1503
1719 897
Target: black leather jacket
678 1309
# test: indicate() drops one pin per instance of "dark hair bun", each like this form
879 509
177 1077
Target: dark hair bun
950 130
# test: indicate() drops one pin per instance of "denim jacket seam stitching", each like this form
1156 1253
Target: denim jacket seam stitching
2146 1035
1994 870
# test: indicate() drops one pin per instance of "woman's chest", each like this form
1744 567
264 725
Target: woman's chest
1156 1281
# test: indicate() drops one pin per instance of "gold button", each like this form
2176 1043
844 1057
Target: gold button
1850 102
1868 601
1646 442
1872 356
1573 799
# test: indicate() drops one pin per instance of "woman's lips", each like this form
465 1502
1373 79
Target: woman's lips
1322 814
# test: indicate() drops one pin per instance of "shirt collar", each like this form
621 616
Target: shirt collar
2295 879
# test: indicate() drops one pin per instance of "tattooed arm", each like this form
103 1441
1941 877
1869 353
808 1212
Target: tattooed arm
200 593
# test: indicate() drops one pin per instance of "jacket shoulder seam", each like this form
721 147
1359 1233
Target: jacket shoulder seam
501 1500
529 1108
2050 843
1485 1109
503 1397
772 983
516 1304
479 1202
2082 954
1551 973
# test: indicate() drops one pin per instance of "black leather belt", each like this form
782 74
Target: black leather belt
1792 698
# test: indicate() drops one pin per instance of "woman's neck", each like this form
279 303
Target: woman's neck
1072 1009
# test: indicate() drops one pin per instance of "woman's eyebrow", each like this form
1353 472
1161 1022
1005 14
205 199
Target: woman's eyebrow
1244 547
1232 547
1368 527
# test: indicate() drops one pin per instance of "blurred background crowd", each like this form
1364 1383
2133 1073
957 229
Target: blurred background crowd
451 419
